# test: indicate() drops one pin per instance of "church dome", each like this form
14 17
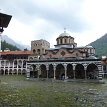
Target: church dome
65 40
64 34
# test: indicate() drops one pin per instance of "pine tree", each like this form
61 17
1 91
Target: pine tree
5 45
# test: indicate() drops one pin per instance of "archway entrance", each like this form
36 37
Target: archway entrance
43 73
15 64
6 71
24 71
33 72
15 71
60 71
19 72
2 72
24 64
51 71
19 64
79 71
10 71
70 73
92 71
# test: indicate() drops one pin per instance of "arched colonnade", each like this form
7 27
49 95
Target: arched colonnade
65 70
11 67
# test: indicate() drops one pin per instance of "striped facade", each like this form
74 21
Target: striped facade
86 67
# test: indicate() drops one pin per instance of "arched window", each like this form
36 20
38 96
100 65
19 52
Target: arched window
34 51
38 51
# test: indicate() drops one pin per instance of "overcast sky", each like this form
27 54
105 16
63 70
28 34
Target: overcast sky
85 20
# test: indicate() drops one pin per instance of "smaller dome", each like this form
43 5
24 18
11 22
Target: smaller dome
88 46
92 57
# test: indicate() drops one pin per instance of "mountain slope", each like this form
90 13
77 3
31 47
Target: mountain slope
10 41
100 45
5 45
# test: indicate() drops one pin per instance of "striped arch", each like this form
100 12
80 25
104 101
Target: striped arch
24 64
19 63
6 71
33 71
19 71
70 73
43 73
15 71
2 63
92 71
15 64
60 71
10 71
79 71
2 72
51 71
24 71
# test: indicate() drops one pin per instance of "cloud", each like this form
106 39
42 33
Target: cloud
65 13
20 33
36 19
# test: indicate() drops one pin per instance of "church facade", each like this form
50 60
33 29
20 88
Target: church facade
66 61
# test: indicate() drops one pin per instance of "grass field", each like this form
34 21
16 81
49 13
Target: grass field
16 91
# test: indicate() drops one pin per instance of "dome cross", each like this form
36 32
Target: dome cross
64 30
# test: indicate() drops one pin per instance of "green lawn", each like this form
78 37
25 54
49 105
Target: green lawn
16 91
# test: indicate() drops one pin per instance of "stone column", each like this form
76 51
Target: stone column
12 72
9 64
54 68
0 67
21 71
100 73
9 67
85 68
4 71
65 67
17 66
28 73
13 65
26 65
4 68
74 69
4 63
22 64
8 71
47 69
38 69
104 71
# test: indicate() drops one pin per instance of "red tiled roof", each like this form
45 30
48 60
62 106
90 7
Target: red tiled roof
16 53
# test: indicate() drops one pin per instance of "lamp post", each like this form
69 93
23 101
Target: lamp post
4 21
